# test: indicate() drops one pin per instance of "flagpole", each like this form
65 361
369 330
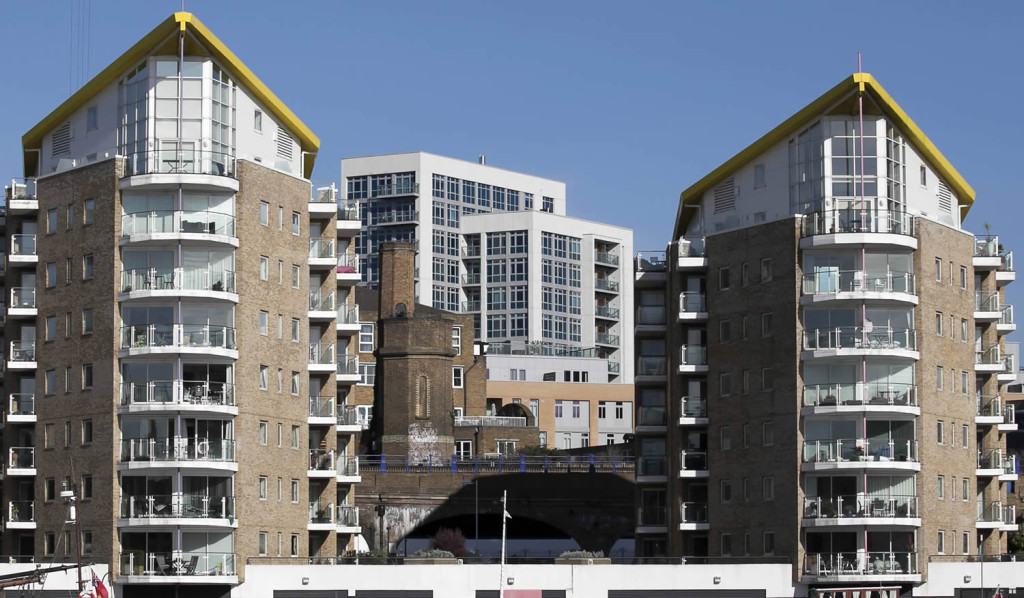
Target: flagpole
504 520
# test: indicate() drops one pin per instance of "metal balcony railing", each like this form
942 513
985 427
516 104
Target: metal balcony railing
23 298
348 210
652 516
828 222
401 188
177 448
178 221
988 356
321 407
22 244
321 460
860 393
990 512
22 403
321 249
491 421
650 261
348 466
691 302
859 449
349 416
857 337
603 257
986 301
693 407
651 415
168 279
992 460
160 506
187 160
860 505
348 314
394 217
348 263
602 338
603 284
835 564
189 392
824 282
989 406
319 301
20 189
987 246
179 564
177 335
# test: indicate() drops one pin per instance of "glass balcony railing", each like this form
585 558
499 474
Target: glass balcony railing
860 505
187 160
348 210
651 516
608 313
693 407
694 512
177 221
860 563
401 188
471 251
694 355
825 282
23 298
394 217
858 221
168 279
320 301
651 415
321 460
694 460
990 512
857 337
348 516
21 457
602 338
650 261
992 460
348 314
22 403
986 301
321 513
859 449
987 246
179 564
188 392
321 354
161 506
603 257
989 406
471 306
860 393
177 335
321 249
349 416
21 511
321 407
603 284
348 466
471 278
650 315
692 303
988 356
348 263
177 448
22 244
23 351
649 365
20 190
348 365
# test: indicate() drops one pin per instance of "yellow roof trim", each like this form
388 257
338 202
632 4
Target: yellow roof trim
181 21
856 82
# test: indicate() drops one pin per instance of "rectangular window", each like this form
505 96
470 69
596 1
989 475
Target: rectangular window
92 121
86 376
280 272
87 266
295 384
264 323
966 546
367 374
457 374
51 222
941 548
295 330
766 324
295 437
767 379
264 267
938 377
86 431
964 431
938 323
759 180
744 274
940 488
86 487
768 488
280 434
725 438
262 547
87 320
69 213
263 487
366 338
263 377
257 121
744 320
966 487
50 382
280 380
963 277
264 430
963 330
768 433
766 270
51 328
295 545
457 339
725 384
924 176
51 274
295 223
264 213
296 272
295 491
938 269
726 490
939 427
723 279
748 490
723 331
90 211
68 270
745 382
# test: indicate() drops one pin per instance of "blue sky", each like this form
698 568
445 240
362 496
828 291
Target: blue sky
628 103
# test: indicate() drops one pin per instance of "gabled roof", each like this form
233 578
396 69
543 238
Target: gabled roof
157 40
856 83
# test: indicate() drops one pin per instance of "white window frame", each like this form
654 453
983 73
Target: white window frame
458 376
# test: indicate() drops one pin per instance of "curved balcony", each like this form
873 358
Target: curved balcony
693 464
21 461
845 285
176 164
858 227
205 283
21 408
177 509
205 568
860 453
202 339
693 411
22 303
881 397
22 355
860 566
692 307
21 514
860 509
199 396
860 341
174 452
178 225
693 516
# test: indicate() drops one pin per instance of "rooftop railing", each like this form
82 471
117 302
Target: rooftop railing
490 421
651 261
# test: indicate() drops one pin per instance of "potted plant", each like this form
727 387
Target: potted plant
582 557
218 286
432 556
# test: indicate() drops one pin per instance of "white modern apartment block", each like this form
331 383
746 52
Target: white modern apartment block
498 244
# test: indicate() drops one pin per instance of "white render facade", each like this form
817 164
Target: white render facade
498 244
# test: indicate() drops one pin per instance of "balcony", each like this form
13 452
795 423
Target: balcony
653 518
832 285
351 419
857 453
1005 324
602 338
693 411
861 396
392 217
471 278
606 259
989 360
693 359
694 464
1009 473
992 515
321 411
990 411
321 306
174 161
179 506
648 263
323 198
205 339
21 408
321 464
613 367
692 254
178 451
693 516
177 567
348 221
170 395
652 466
347 519
606 286
991 465
20 196
347 272
650 316
607 313
490 421
651 365
1005 273
471 306
855 226
347 320
855 566
23 250
399 189
986 306
23 303
988 252
857 340
692 306
21 514
322 254
1009 373
321 359
154 282
651 416
22 355
347 370
348 470
21 461
860 509
173 225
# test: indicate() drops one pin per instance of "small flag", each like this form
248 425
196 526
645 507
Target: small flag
507 516
98 586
